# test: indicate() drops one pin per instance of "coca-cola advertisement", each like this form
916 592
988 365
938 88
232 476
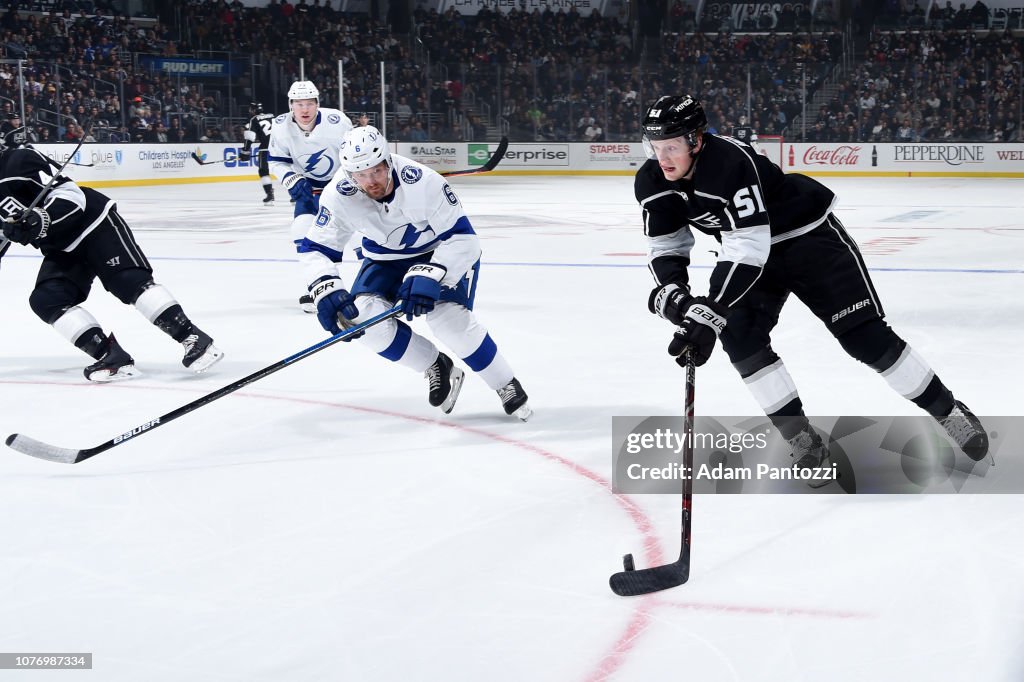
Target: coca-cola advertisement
830 155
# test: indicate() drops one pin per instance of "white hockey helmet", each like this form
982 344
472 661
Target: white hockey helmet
362 149
303 90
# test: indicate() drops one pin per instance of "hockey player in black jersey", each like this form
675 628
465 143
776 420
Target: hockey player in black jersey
82 237
257 130
778 236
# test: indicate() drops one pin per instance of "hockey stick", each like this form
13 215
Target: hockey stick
70 163
53 179
630 582
491 164
205 163
35 448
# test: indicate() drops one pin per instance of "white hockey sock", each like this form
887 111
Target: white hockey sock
74 322
458 328
154 301
394 339
909 375
772 387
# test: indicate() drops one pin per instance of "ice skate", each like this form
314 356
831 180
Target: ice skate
200 353
513 399
966 431
809 452
445 383
269 199
306 303
115 365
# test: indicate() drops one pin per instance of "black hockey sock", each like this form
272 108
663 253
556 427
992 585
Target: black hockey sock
790 418
936 399
93 342
175 323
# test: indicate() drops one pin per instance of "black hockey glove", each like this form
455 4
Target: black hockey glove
669 301
702 322
29 227
244 155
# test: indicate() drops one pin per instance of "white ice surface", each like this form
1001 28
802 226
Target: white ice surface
327 524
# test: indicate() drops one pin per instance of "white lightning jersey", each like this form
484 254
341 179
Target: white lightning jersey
313 156
422 215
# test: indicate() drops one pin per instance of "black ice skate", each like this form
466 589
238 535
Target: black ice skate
809 452
306 303
200 353
966 430
513 399
445 383
269 199
115 365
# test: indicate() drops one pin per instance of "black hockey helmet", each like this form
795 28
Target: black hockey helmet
673 116
255 108
14 138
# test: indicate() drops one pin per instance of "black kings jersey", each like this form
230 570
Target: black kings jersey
257 130
739 197
74 211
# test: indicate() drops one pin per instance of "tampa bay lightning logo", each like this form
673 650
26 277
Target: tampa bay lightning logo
318 165
333 118
411 174
281 118
346 188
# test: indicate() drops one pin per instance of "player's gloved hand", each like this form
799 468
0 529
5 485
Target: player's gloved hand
28 227
702 322
244 155
420 289
297 186
669 301
335 307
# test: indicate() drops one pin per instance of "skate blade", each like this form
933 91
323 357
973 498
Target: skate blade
455 378
105 376
211 357
524 413
308 308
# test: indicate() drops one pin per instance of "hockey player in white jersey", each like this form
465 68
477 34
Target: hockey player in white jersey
421 250
304 155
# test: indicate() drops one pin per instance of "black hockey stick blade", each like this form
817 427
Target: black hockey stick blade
632 583
52 453
491 164
198 160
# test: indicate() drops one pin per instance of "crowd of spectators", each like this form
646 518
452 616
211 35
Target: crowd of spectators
924 86
79 82
534 75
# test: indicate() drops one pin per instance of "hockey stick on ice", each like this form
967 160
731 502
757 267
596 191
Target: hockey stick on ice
198 160
492 162
630 582
35 448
